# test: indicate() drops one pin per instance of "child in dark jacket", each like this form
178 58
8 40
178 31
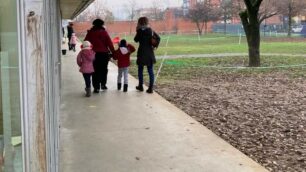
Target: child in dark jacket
85 61
122 54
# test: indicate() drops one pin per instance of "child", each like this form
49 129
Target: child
85 61
122 54
73 41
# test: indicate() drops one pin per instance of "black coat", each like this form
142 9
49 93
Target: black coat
145 53
69 31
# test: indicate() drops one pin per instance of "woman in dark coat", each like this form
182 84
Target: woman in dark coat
102 45
69 34
145 53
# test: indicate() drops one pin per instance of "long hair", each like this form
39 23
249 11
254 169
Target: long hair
143 21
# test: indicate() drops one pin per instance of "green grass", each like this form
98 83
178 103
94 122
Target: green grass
188 68
217 43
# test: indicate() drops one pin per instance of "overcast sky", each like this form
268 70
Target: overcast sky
118 7
142 3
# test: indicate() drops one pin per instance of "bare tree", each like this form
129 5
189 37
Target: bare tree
84 16
290 9
131 8
203 13
227 8
251 19
96 10
109 17
157 11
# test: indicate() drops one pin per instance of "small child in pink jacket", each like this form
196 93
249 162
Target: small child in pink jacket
73 41
85 61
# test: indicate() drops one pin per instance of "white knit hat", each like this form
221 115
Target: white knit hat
86 45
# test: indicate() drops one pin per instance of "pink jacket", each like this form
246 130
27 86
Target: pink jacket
85 60
73 39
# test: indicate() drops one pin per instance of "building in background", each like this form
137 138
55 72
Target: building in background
30 46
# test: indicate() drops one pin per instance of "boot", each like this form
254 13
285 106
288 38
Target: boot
125 88
88 92
104 87
119 86
139 88
150 90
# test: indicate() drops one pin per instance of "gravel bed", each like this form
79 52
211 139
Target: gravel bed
264 116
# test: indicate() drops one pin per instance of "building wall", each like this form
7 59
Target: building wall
124 27
39 40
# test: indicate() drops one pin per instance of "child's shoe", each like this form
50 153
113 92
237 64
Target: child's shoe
119 86
125 88
139 88
88 92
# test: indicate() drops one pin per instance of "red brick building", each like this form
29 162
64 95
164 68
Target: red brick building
171 23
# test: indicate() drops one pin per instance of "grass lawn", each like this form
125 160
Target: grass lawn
215 43
187 68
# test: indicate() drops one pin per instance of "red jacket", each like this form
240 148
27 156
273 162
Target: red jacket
100 40
122 54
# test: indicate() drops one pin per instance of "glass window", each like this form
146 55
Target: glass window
10 118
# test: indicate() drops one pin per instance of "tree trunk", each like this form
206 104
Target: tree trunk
224 26
131 23
289 19
200 28
251 27
253 38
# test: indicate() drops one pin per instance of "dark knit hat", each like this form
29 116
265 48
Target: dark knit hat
98 22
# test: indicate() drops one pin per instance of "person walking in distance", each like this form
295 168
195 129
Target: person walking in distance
145 52
122 54
85 61
102 46
70 31
73 41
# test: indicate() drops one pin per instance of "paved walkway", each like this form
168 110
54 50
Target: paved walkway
135 132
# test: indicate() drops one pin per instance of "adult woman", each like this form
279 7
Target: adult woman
69 34
145 53
102 45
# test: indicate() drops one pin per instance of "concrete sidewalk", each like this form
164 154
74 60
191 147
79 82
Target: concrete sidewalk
135 132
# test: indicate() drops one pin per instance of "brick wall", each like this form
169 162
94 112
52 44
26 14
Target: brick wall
124 27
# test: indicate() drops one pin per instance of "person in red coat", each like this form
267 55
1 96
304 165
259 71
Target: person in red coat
102 46
122 54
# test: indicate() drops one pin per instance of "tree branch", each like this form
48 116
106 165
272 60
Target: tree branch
265 16
244 19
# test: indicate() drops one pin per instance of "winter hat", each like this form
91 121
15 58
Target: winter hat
122 43
98 23
73 34
86 45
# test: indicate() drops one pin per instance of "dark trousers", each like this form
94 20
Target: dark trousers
72 47
87 79
99 77
69 45
151 75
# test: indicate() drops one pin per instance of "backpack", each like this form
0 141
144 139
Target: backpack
155 40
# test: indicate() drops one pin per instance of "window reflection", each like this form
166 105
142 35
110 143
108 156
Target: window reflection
10 119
